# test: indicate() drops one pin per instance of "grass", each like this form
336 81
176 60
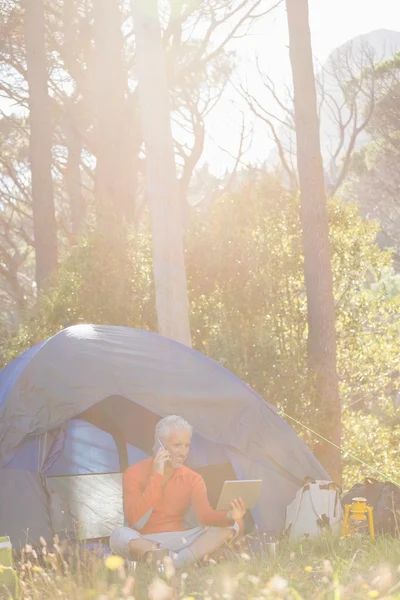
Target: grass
326 568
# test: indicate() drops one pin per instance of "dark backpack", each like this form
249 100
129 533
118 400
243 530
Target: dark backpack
384 497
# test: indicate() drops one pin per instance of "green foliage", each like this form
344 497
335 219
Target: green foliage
387 67
103 280
249 303
374 440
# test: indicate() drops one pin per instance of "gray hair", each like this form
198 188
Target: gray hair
168 424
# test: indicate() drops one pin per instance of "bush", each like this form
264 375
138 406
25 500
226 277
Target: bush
102 281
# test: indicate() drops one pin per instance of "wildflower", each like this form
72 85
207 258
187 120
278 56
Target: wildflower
43 541
308 569
114 562
209 582
245 556
159 590
373 594
277 584
228 587
253 579
128 586
169 568
28 548
328 567
384 578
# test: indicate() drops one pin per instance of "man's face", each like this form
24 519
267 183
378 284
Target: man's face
178 444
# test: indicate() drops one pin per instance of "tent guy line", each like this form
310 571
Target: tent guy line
345 453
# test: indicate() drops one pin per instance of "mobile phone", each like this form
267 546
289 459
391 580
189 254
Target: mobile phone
158 445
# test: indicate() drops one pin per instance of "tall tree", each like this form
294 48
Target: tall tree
40 143
346 95
113 123
317 254
70 121
162 184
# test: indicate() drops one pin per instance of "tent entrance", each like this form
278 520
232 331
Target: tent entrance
99 445
131 424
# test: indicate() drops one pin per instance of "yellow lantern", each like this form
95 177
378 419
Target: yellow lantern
357 515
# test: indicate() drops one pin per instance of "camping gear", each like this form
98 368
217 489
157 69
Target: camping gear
384 498
78 408
316 508
9 582
358 518
270 550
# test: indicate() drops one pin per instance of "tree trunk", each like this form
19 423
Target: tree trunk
73 179
162 184
40 142
71 128
317 256
115 177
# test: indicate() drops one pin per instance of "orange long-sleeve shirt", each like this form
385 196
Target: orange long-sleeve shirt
143 490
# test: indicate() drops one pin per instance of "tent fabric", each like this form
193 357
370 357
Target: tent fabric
86 507
25 509
89 450
131 378
10 374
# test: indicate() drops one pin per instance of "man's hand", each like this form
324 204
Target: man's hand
159 461
237 510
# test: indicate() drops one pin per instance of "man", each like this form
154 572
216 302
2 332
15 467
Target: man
158 491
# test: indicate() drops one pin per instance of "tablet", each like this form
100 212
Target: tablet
246 489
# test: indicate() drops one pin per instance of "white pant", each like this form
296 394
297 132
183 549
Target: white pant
170 540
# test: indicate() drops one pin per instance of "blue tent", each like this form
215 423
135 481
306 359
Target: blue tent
78 408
